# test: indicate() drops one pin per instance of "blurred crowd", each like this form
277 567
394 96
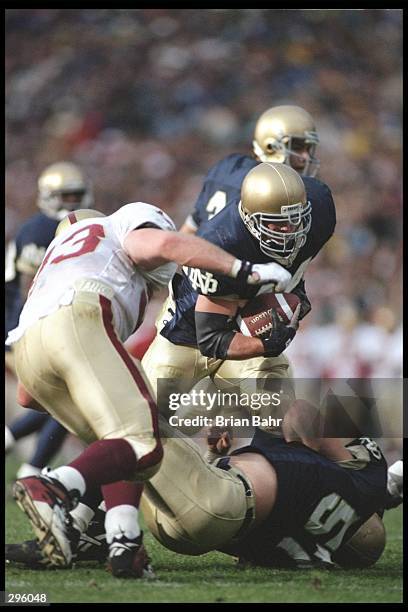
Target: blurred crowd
146 100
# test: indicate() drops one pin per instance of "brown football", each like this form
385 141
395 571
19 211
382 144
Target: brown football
255 318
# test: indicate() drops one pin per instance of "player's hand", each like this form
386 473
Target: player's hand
281 335
219 440
261 274
270 273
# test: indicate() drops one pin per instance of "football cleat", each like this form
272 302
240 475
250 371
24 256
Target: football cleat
27 554
91 546
128 558
47 503
394 485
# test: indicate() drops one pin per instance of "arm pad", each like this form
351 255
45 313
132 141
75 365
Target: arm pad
214 334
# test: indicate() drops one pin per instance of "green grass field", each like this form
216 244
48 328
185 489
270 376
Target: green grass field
210 578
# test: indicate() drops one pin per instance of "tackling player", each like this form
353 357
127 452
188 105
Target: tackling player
61 189
87 297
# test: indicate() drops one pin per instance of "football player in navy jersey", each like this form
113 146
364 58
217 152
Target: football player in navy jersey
62 187
274 220
283 134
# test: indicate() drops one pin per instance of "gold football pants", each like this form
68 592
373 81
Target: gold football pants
74 365
192 507
175 369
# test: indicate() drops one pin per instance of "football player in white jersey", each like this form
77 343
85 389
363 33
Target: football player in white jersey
87 297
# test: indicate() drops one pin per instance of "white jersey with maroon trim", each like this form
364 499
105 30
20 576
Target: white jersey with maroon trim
89 256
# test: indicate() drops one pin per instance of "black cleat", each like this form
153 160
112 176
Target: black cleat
129 559
27 554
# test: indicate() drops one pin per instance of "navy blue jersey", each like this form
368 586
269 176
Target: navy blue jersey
24 255
222 185
319 503
228 231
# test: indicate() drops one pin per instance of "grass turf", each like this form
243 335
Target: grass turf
209 578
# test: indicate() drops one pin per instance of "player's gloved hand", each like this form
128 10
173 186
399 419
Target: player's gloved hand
260 274
281 335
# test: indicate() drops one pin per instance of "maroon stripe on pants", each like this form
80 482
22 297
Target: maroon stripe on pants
156 454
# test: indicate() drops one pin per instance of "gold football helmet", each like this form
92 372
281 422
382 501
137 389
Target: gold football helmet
77 215
62 188
275 210
364 547
287 135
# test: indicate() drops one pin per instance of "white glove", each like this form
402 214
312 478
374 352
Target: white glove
270 273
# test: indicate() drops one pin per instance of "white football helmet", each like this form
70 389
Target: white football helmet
287 135
62 188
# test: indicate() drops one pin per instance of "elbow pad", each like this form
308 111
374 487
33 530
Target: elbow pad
214 334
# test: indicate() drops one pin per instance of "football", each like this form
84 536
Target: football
255 318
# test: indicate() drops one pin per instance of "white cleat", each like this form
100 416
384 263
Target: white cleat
47 504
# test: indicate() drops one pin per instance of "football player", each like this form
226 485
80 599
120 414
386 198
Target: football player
283 134
87 297
278 504
273 221
271 503
62 188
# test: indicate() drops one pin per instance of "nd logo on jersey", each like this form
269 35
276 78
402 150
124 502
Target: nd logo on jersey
204 281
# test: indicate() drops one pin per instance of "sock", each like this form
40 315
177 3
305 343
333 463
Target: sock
106 461
69 477
26 469
122 501
82 515
122 492
122 521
